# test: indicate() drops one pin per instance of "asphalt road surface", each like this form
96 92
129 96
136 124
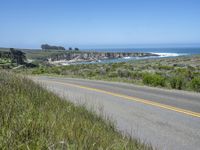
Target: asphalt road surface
167 119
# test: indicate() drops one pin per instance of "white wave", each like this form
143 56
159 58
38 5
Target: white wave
127 57
169 54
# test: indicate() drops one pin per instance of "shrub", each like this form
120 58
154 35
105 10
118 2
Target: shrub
177 82
56 70
38 71
195 84
123 73
165 67
153 80
86 73
135 75
112 75
184 72
102 71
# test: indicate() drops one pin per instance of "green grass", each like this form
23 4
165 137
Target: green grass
34 118
37 54
5 61
41 54
4 49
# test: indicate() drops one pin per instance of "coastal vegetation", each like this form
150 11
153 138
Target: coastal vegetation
34 118
182 73
41 54
55 48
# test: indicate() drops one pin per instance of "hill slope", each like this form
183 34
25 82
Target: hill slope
33 118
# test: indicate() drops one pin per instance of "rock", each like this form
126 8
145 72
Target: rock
94 56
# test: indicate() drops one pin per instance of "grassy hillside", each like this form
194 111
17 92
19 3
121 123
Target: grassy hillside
41 54
33 118
182 73
38 54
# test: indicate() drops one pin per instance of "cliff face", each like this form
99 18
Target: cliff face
98 55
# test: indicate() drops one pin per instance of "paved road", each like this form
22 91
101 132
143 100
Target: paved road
168 119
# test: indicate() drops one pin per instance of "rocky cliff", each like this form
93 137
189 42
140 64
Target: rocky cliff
91 56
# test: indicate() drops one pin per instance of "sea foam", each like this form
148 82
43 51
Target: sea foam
170 54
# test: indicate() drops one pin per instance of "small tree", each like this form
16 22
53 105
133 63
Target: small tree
76 49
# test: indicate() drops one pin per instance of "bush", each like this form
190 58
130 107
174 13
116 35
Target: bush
195 84
40 70
153 80
184 73
56 70
102 71
165 67
136 75
88 73
112 75
123 73
177 82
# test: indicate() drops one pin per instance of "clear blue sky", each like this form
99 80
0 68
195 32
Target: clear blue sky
98 23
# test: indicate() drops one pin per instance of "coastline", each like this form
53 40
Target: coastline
152 55
82 57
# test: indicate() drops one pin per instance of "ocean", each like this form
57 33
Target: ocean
167 51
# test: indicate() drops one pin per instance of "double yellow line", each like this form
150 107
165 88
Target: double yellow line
147 102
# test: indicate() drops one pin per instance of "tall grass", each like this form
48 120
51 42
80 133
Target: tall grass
34 118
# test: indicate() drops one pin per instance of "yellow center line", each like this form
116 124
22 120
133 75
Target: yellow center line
140 100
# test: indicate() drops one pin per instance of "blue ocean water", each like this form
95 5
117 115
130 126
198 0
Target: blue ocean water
178 51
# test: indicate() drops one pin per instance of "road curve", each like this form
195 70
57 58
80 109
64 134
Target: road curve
167 119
